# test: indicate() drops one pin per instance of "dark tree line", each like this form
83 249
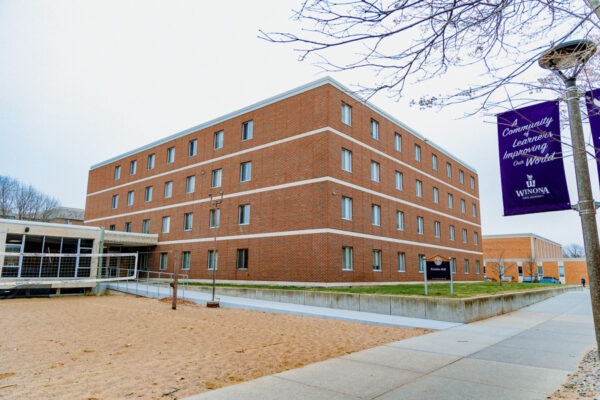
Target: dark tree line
21 201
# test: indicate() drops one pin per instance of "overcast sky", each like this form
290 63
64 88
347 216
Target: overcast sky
83 81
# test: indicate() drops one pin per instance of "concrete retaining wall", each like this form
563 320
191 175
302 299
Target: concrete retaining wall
442 309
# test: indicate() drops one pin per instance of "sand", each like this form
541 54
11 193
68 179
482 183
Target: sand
121 347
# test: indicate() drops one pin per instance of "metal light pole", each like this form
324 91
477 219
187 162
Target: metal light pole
214 303
566 61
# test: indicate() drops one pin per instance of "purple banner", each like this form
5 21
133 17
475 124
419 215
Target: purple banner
531 165
592 100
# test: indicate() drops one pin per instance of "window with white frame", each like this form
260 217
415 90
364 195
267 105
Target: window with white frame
436 226
117 172
242 259
170 155
346 114
146 226
188 219
244 214
401 262
453 265
462 206
474 208
151 161
374 171
375 215
130 195
132 167
399 180
163 261
245 171
466 266
475 238
461 177
400 220
186 258
434 162
127 226
376 260
347 258
421 263
346 160
477 267
148 194
347 208
374 129
473 183
436 195
247 130
190 184
464 235
218 140
214 217
166 224
448 170
115 201
451 232
216 178
420 225
419 188
417 152
398 142
450 200
192 147
213 260
168 189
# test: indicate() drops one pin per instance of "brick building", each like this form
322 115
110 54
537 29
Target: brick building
527 255
318 186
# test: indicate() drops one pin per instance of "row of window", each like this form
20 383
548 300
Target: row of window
190 185
399 183
376 221
218 138
212 262
348 261
347 119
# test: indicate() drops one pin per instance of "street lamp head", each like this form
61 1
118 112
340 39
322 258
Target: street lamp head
567 55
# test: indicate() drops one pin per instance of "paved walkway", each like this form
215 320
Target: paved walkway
285 308
526 354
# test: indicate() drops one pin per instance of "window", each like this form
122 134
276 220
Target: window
127 226
117 172
398 142
168 189
218 140
214 217
115 201
376 260
374 171
540 269
474 208
163 261
475 238
561 271
188 219
374 129
242 259
453 265
170 155
148 194
436 226
466 266
146 226
434 162
247 130
244 214
401 262
417 152
112 227
420 225
451 232
185 260
450 200
216 178
346 160
421 263
132 167
151 159
190 183
399 180
419 188
478 268
166 224
213 260
346 114
464 235
347 208
130 198
400 220
245 171
375 215
461 177
448 170
436 195
473 183
347 259
192 148
462 206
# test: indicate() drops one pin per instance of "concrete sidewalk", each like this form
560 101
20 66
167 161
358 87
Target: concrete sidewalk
526 354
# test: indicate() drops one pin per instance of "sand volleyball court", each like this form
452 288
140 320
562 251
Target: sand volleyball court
121 347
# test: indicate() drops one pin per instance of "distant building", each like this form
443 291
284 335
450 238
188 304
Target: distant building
525 256
66 215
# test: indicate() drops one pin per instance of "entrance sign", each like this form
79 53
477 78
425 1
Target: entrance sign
531 165
438 268
592 100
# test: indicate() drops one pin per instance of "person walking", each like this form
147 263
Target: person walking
583 282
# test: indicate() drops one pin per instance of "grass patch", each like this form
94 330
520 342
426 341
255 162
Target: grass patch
461 290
